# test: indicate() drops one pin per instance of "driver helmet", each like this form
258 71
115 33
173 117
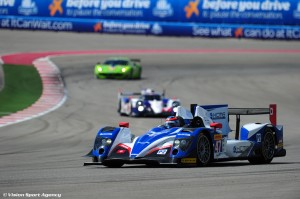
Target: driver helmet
172 121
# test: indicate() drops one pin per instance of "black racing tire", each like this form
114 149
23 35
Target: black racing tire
119 107
131 113
204 150
140 74
113 164
267 150
131 74
95 159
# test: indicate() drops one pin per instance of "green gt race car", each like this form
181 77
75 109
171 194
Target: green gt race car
118 68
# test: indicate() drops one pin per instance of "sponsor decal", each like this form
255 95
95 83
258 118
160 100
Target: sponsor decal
239 149
109 4
124 146
272 33
121 151
163 9
79 4
243 6
55 7
238 33
97 27
7 3
192 8
280 143
216 116
218 146
184 134
258 137
156 29
107 8
127 4
105 133
119 27
189 160
22 23
218 137
220 32
296 12
248 9
28 7
162 152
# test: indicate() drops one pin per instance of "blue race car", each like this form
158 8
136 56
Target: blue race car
199 136
146 103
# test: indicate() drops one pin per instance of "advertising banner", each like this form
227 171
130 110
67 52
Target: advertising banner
146 10
152 28
263 19
279 12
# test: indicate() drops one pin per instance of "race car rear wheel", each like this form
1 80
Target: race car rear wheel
267 150
204 150
119 107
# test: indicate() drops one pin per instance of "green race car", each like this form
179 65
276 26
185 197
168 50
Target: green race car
118 68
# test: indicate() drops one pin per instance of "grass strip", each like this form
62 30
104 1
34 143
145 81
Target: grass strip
22 87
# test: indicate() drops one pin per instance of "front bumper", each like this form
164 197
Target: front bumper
169 161
112 75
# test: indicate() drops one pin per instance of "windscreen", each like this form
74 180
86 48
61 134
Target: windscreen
116 62
152 97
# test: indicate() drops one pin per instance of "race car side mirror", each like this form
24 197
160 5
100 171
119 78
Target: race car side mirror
124 124
216 125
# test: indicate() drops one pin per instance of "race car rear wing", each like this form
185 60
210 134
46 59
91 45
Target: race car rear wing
135 60
215 115
143 92
130 94
272 111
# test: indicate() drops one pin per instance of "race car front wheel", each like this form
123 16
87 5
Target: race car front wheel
95 159
204 150
267 150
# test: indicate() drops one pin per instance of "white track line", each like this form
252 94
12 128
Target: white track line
53 94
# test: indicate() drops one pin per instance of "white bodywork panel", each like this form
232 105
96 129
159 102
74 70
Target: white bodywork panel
124 136
157 106
253 128
183 112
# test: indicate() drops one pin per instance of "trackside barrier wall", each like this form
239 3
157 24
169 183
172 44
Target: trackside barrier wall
262 19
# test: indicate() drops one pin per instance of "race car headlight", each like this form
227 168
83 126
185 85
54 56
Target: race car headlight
176 143
106 142
124 70
140 108
183 144
99 69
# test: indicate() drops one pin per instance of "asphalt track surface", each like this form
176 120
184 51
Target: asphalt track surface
44 155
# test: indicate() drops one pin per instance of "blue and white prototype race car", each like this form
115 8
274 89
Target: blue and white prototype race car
198 137
146 103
